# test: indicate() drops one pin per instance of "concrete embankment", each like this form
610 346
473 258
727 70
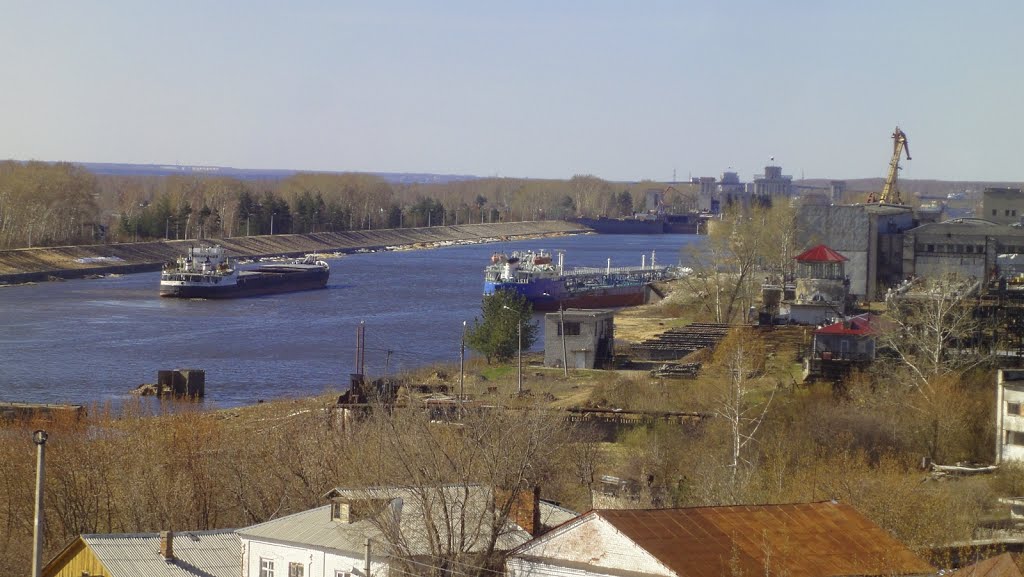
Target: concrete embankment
41 264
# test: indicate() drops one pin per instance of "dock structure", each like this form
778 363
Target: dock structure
677 343
31 411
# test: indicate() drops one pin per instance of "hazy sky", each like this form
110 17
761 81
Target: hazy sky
624 90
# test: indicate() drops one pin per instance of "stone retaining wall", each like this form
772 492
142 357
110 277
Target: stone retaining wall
41 264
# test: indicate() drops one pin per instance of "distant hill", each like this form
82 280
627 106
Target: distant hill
254 173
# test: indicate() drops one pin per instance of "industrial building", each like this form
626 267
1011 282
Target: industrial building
1002 205
585 337
870 236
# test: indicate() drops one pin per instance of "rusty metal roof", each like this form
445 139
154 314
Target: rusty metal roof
802 540
998 566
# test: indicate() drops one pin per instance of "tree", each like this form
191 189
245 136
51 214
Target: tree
624 203
934 330
740 358
740 250
463 483
496 335
935 333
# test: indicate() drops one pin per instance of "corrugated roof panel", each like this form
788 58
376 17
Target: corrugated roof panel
801 540
200 553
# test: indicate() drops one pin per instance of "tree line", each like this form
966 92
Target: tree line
52 204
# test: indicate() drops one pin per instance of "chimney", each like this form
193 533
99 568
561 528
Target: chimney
167 545
341 511
524 509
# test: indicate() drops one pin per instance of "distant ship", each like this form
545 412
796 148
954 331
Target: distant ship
692 223
547 286
207 273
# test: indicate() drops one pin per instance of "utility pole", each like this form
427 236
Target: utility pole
561 329
366 558
520 326
462 368
39 438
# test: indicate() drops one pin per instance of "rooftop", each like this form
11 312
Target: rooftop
820 253
825 539
196 554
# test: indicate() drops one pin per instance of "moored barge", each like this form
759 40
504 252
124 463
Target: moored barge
206 272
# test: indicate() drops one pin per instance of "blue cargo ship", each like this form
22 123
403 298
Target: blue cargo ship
548 286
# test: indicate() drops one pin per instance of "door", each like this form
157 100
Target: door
581 359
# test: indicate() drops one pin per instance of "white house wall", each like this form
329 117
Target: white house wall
1010 422
593 542
518 567
317 562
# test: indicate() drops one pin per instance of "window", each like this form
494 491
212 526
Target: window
1012 408
1014 438
993 212
970 248
1006 212
340 573
931 248
570 329
1013 212
296 570
266 567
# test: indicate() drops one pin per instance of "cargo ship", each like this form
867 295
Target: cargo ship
206 272
692 223
548 286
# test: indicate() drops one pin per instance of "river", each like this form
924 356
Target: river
91 341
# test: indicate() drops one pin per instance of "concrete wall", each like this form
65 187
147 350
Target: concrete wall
1002 205
844 229
39 264
589 547
869 235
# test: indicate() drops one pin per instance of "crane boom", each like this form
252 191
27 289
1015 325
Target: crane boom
890 192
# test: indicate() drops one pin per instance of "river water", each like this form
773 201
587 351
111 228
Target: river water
91 341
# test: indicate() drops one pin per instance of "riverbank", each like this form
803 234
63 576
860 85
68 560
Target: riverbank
67 262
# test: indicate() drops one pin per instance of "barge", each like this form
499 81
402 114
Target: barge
206 272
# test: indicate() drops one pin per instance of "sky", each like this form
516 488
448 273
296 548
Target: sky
623 90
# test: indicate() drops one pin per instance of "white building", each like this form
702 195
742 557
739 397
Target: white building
1010 416
390 530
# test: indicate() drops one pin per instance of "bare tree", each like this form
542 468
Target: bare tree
462 482
740 359
933 328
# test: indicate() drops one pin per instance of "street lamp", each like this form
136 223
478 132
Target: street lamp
272 222
167 229
39 438
519 332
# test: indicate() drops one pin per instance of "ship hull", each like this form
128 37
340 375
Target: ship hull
666 224
263 281
549 295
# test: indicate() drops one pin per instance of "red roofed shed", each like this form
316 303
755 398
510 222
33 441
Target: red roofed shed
821 262
820 253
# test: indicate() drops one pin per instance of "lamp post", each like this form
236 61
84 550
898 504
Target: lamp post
272 215
167 229
39 438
